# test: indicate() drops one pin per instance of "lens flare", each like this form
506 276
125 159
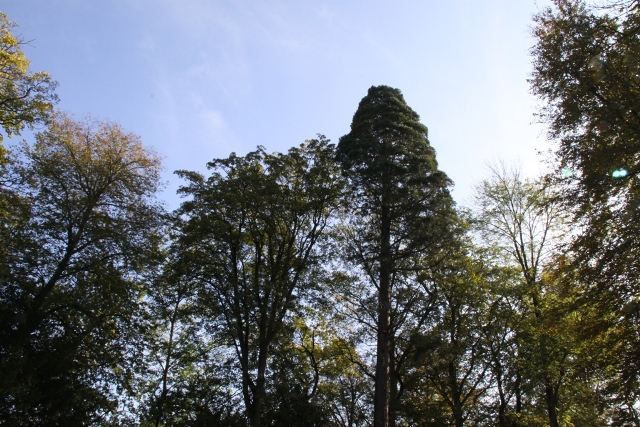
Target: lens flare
619 173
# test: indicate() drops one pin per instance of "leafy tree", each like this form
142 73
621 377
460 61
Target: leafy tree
315 382
591 346
182 382
253 234
522 219
451 350
400 205
585 68
72 272
586 61
508 383
173 350
25 98
333 321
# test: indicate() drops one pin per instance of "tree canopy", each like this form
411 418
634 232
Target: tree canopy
72 268
252 233
585 69
26 98
586 61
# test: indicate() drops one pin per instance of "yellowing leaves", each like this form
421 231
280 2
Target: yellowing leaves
25 98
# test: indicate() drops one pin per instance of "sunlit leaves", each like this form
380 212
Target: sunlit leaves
26 98
586 63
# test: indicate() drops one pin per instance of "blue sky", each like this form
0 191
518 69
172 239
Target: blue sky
198 79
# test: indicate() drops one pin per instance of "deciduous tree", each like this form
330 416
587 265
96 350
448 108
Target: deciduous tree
451 356
586 59
183 383
521 218
253 234
26 98
72 272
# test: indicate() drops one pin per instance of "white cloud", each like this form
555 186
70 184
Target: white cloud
212 119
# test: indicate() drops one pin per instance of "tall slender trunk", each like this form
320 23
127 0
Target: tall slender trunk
255 401
551 396
383 359
264 342
456 396
502 408
456 391
393 383
518 392
165 369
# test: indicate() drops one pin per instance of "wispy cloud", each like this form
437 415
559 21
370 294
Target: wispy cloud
212 119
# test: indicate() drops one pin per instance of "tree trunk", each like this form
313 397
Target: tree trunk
165 370
502 419
518 393
456 392
551 396
383 359
393 382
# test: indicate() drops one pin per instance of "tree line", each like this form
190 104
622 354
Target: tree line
334 284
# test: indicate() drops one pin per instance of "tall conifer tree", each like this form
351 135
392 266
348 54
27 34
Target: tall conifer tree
401 208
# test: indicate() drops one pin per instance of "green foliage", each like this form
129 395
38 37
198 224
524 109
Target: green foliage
315 381
586 62
260 305
450 361
391 165
25 98
252 236
517 218
72 272
181 383
541 362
